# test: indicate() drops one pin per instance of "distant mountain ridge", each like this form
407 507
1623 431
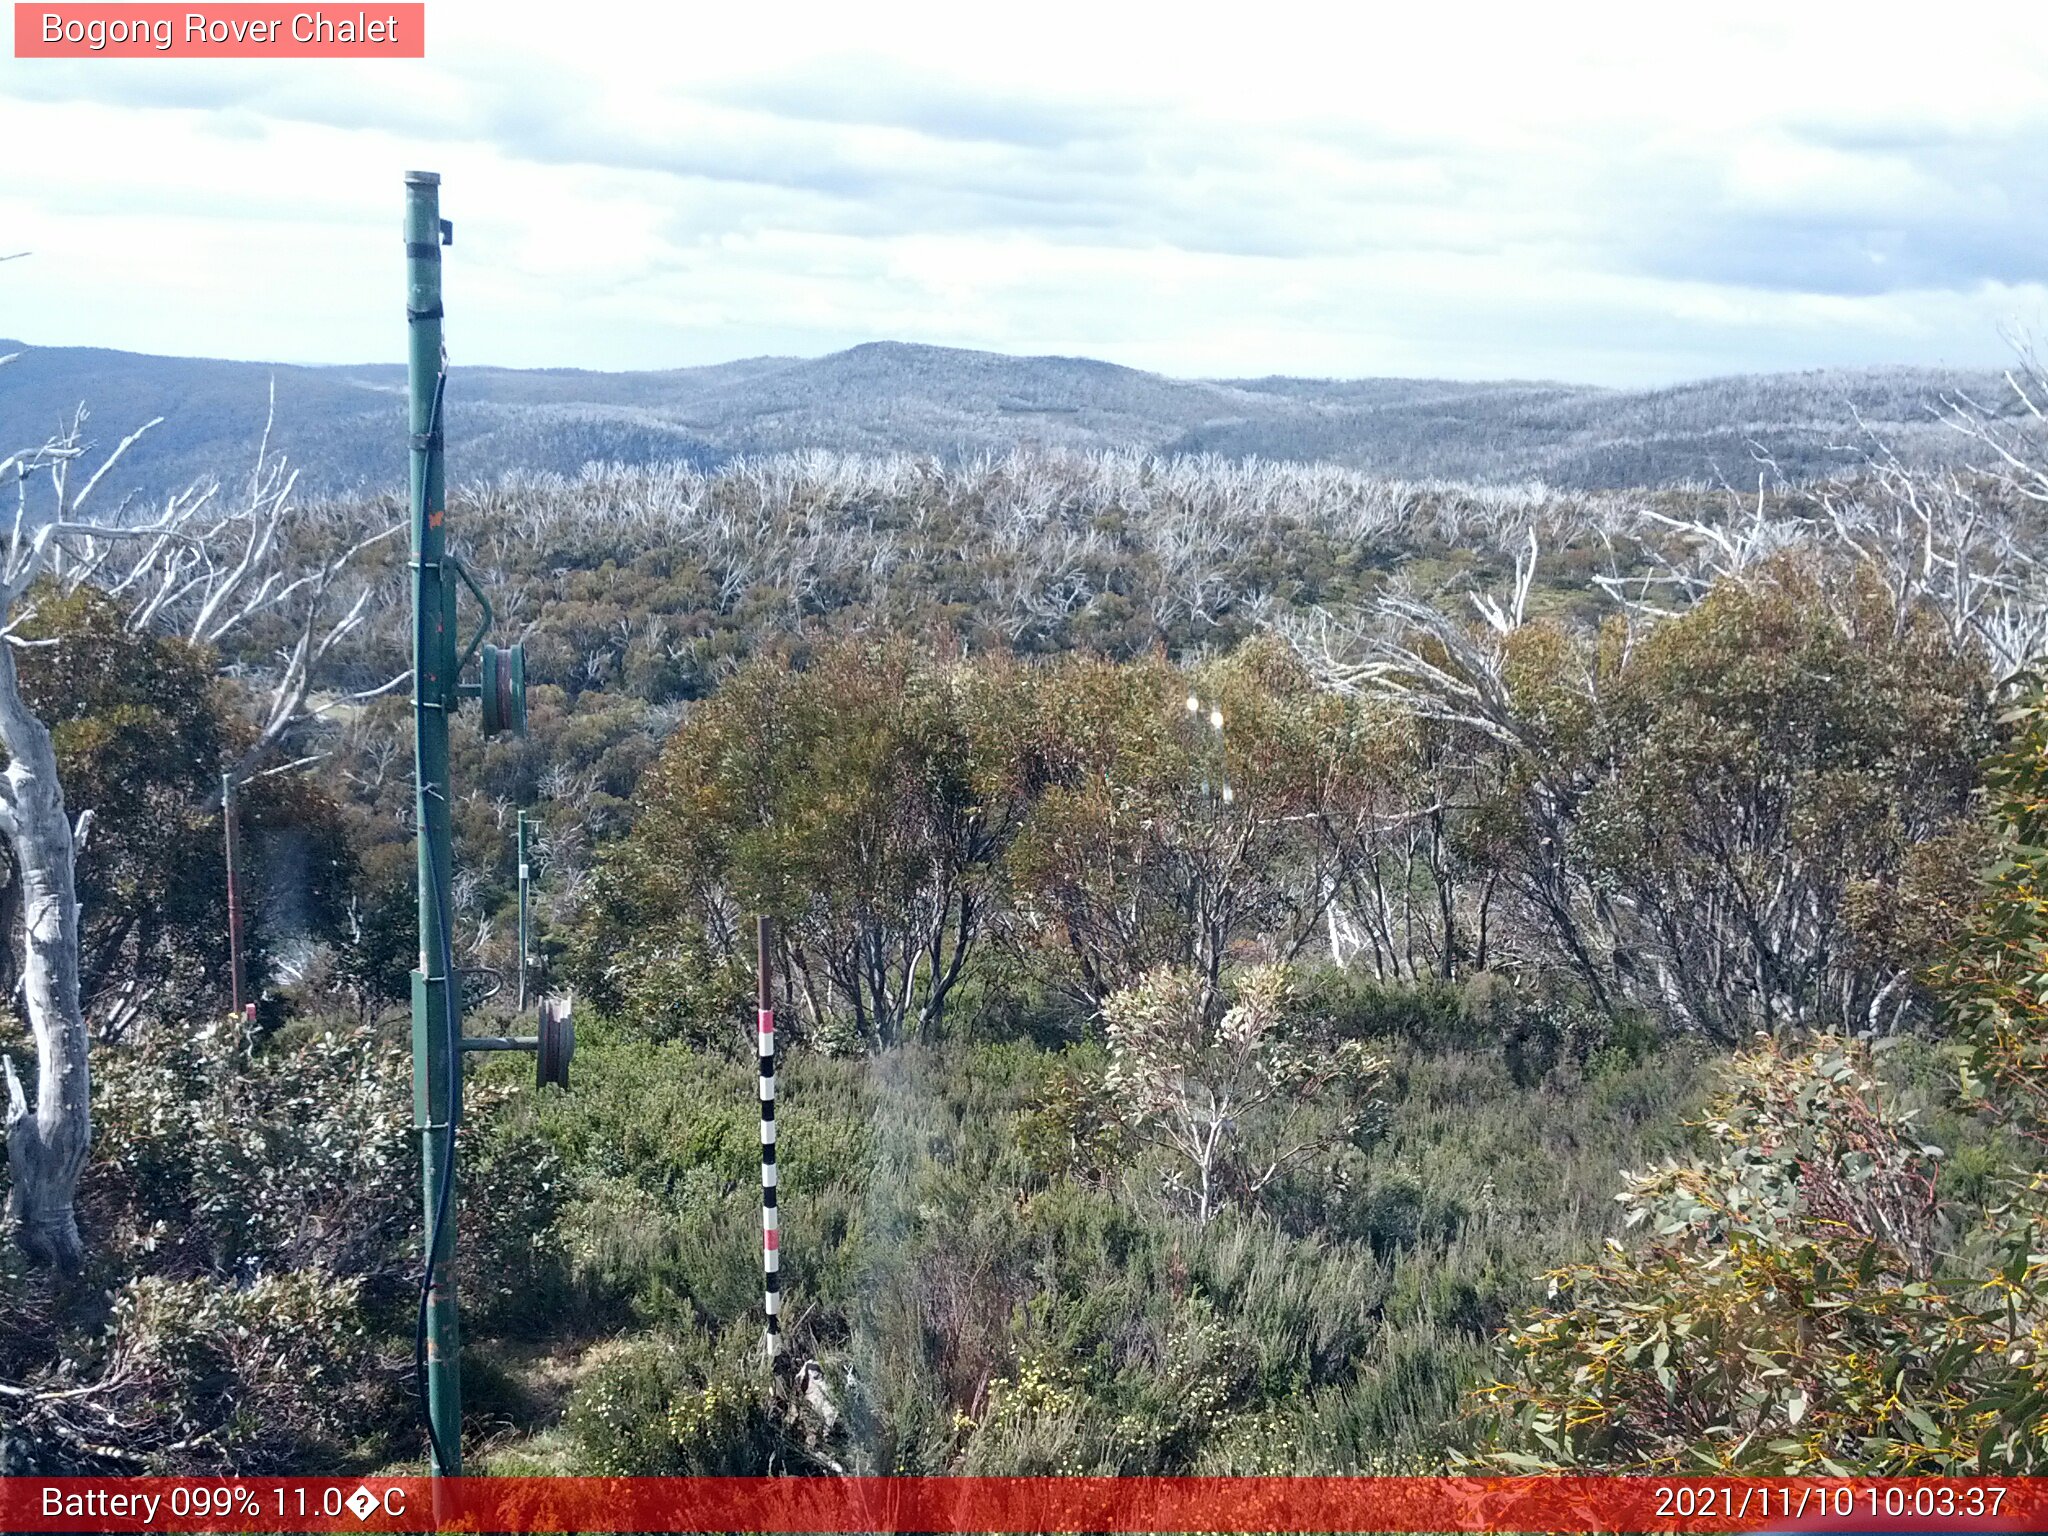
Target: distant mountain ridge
344 426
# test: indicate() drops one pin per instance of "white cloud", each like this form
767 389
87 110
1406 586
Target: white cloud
1611 193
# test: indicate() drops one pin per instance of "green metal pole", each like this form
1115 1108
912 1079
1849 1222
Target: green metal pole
525 912
436 1060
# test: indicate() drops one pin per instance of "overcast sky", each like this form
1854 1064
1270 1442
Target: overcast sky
1625 195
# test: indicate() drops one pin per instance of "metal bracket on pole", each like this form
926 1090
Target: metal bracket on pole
553 1048
483 626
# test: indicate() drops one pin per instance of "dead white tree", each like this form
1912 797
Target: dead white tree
1956 542
202 565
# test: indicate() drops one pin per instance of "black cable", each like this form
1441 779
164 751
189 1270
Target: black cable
452 1020
446 1185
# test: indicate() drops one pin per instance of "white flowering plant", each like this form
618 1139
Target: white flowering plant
1233 1084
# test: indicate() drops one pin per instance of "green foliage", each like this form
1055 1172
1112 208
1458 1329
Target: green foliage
897 814
142 730
1801 721
224 1158
864 801
1814 1295
979 851
254 1201
1233 1088
658 1149
255 1377
251 1202
379 945
1997 978
667 1406
1133 856
1709 819
1792 1312
977 1261
1074 1130
1360 1006
1727 822
512 1263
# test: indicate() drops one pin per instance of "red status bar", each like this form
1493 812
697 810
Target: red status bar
1024 1504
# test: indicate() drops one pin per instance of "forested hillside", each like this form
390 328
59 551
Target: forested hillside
342 426
1238 927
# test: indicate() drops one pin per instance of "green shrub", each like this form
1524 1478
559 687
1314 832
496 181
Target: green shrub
1360 1007
1073 1130
512 1264
198 1374
221 1156
678 1405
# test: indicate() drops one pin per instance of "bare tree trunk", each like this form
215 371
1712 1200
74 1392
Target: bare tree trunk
45 1149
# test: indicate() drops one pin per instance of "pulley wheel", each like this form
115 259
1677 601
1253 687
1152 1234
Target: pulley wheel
504 690
557 1043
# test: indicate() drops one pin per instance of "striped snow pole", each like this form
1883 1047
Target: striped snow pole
771 1227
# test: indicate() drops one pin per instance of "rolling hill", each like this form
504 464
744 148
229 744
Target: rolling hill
344 426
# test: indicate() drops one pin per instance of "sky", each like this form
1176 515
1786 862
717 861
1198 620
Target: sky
1624 195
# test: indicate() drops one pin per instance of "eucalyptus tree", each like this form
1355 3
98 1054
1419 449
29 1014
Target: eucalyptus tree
1690 814
1163 835
864 800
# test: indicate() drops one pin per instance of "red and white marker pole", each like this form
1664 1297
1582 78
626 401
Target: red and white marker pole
771 1226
